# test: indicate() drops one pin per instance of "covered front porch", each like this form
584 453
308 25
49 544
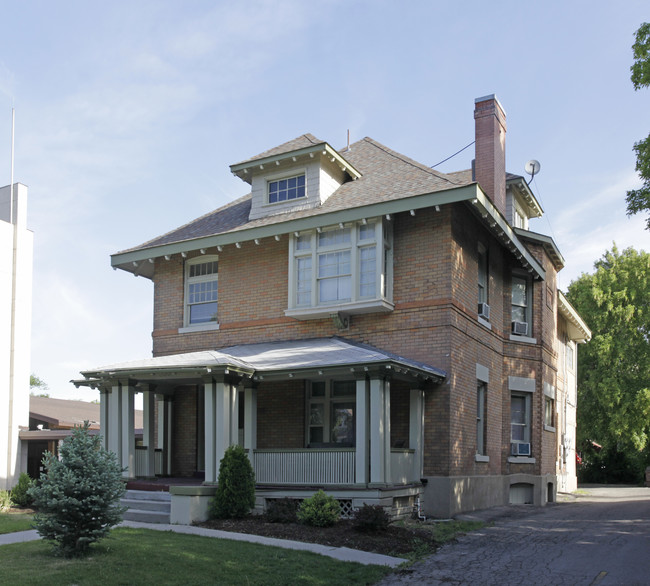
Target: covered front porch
323 413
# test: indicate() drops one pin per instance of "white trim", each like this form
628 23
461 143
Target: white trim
484 323
523 339
520 460
187 280
481 458
199 328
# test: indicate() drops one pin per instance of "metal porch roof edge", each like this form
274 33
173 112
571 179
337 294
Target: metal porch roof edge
264 359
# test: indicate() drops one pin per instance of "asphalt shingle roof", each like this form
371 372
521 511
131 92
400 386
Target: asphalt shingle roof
386 176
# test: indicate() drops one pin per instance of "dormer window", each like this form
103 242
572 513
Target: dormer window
287 189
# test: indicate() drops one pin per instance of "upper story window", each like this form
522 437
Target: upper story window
286 189
483 280
520 421
570 356
201 291
521 305
344 268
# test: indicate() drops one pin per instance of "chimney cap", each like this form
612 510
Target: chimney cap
489 98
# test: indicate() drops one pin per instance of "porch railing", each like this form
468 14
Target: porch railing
141 461
310 466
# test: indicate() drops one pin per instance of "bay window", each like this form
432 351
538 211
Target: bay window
341 268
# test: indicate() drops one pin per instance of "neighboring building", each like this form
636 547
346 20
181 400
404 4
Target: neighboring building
360 323
16 260
52 420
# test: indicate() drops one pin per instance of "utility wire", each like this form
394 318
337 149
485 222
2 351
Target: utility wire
452 156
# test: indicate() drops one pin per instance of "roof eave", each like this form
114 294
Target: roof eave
245 170
534 207
141 262
573 317
547 242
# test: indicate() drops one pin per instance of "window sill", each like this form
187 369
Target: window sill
481 458
524 339
549 428
520 460
350 308
485 323
199 328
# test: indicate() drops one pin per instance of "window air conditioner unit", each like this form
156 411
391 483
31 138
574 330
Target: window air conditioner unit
520 328
484 310
520 449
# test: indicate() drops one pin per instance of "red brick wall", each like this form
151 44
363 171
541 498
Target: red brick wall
184 431
434 321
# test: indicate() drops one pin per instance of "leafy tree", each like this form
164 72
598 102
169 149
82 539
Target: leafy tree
77 498
36 382
235 495
614 367
638 200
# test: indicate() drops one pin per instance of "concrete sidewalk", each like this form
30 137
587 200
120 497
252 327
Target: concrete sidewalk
343 554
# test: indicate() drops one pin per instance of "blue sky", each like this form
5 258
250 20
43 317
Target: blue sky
128 115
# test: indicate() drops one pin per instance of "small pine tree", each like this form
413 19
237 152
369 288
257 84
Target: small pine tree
77 498
19 493
235 495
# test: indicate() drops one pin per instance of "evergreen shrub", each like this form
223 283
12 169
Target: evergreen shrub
19 493
235 495
321 510
5 500
282 510
77 497
371 519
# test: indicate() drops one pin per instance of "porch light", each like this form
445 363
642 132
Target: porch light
277 163
184 254
341 225
291 375
412 212
203 251
220 248
257 241
151 260
261 167
296 234
167 257
294 159
135 264
364 221
277 238
437 208
319 229
238 244
388 217
311 155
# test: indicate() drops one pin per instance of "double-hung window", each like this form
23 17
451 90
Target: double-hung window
520 418
481 423
521 305
345 267
201 291
331 413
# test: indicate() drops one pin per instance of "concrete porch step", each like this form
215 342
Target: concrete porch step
147 506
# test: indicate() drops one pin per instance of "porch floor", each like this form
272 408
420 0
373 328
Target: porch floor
161 484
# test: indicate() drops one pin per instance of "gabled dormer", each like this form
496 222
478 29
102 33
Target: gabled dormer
521 204
300 174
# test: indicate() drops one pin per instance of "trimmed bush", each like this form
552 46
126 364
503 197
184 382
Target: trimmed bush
19 495
371 519
77 497
235 495
321 510
282 510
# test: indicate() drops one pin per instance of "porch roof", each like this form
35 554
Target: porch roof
266 361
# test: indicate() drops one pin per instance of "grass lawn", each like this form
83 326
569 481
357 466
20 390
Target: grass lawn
11 522
140 556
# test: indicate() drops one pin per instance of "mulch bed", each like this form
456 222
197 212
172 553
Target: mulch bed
396 540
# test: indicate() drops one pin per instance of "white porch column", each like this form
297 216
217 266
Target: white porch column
223 420
416 431
104 420
148 429
210 433
128 433
250 421
379 431
234 415
363 436
114 416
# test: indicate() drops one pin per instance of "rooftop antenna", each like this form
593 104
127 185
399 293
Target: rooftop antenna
532 168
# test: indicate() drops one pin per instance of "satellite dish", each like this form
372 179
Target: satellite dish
532 168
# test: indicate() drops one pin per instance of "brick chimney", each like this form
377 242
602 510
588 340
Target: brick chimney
490 149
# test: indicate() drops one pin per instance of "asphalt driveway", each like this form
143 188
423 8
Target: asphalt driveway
599 536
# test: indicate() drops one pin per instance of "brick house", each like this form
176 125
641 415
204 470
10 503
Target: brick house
363 324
